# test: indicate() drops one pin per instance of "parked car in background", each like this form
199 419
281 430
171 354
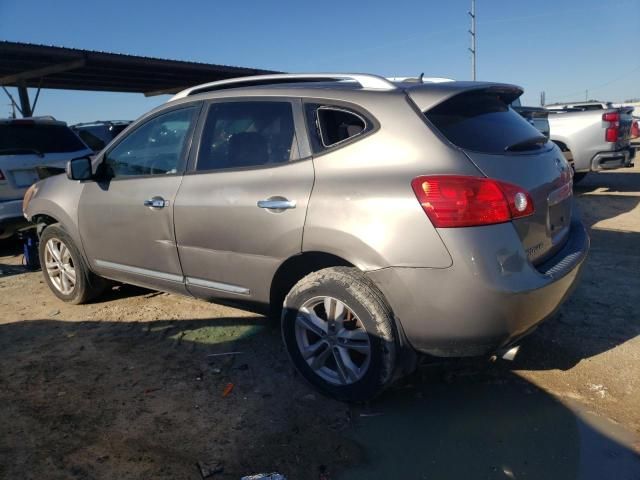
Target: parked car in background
25 145
579 106
98 134
435 218
593 139
536 116
635 128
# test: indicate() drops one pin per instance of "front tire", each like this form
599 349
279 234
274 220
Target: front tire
64 269
340 334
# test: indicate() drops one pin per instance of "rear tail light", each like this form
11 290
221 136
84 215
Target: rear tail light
462 201
613 129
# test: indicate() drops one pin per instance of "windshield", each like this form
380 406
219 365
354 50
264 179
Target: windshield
39 137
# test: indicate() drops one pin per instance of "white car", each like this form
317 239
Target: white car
25 144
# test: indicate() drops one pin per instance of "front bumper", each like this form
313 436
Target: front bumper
11 218
490 297
612 160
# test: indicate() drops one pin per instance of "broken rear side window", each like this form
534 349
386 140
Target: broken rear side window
333 125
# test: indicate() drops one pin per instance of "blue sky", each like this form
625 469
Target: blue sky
562 47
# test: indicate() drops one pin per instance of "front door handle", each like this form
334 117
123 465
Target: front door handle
277 204
156 202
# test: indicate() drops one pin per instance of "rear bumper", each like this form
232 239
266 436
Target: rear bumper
611 160
491 296
11 218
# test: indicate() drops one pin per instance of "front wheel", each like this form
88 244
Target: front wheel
339 333
64 269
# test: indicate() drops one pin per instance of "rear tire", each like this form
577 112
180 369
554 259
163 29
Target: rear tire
64 269
340 334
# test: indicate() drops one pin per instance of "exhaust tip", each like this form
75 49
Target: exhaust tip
510 354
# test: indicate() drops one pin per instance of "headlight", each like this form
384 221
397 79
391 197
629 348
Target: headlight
31 191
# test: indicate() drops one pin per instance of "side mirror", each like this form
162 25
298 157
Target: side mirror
79 169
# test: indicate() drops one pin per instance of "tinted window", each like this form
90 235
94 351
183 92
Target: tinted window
154 148
40 137
247 134
482 122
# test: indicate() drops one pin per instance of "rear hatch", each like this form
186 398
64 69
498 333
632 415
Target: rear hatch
505 147
26 145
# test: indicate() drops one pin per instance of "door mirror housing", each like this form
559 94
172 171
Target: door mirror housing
79 169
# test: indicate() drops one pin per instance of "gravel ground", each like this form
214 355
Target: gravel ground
135 387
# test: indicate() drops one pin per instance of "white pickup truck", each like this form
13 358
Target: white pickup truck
593 136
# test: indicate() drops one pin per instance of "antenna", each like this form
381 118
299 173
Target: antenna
472 14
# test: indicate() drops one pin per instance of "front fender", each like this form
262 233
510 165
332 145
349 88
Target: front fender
58 198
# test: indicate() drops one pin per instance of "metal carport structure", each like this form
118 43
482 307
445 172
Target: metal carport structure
26 65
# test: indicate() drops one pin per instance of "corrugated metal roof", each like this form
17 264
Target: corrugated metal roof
49 66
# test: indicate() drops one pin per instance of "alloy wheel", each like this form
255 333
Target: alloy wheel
59 266
332 340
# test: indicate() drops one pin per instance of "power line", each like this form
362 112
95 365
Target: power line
597 87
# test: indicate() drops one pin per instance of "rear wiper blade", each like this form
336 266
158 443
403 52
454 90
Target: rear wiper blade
526 144
9 151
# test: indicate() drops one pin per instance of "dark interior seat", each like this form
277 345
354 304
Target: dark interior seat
248 148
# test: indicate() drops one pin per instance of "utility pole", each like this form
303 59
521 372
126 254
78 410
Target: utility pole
543 100
472 13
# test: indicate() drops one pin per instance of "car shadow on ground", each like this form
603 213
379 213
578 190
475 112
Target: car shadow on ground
601 313
125 400
629 181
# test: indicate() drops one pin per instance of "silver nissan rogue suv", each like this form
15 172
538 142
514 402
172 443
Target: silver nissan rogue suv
376 218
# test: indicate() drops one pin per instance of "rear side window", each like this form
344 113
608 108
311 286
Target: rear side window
482 122
332 125
38 138
247 134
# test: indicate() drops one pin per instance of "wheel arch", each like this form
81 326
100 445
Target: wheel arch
294 269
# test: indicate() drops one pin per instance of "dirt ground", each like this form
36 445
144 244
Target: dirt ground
137 385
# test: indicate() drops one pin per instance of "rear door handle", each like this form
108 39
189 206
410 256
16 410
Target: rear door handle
273 204
156 202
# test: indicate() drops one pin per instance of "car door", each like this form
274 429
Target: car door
240 211
126 216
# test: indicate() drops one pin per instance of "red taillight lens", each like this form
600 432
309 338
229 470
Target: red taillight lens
461 201
611 134
611 117
613 130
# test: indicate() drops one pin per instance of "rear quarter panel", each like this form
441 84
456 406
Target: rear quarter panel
582 132
363 208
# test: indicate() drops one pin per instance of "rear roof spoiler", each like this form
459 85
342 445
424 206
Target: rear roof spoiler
427 97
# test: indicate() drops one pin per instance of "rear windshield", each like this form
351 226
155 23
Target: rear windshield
482 122
39 138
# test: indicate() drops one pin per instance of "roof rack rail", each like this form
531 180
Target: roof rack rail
365 80
420 79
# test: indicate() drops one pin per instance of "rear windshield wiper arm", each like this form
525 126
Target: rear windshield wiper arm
525 144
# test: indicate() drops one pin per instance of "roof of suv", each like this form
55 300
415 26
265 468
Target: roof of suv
430 91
